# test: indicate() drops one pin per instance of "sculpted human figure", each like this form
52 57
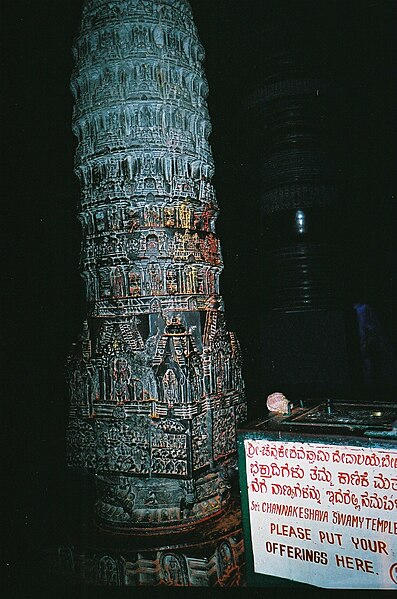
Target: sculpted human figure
121 377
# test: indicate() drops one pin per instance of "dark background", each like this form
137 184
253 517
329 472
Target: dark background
43 293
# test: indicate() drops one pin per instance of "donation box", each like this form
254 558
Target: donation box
319 497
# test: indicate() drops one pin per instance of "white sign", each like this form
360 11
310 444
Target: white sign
325 515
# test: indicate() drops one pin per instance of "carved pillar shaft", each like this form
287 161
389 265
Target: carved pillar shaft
151 262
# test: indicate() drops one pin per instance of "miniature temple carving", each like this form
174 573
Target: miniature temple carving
156 391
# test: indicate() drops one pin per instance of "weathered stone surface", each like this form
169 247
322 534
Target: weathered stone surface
155 381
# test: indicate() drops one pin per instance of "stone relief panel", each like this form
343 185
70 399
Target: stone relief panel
109 571
201 441
224 439
173 569
123 447
225 559
81 445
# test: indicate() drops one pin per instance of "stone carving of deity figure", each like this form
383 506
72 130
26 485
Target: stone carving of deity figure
152 216
191 280
184 214
173 573
210 282
155 281
172 283
170 384
92 386
100 221
225 558
117 283
76 383
140 34
195 378
90 287
220 372
107 574
152 244
104 282
145 117
178 119
115 219
134 283
121 376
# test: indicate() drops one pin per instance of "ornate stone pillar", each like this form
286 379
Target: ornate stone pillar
294 119
155 381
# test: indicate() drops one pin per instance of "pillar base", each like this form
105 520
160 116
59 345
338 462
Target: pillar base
210 555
